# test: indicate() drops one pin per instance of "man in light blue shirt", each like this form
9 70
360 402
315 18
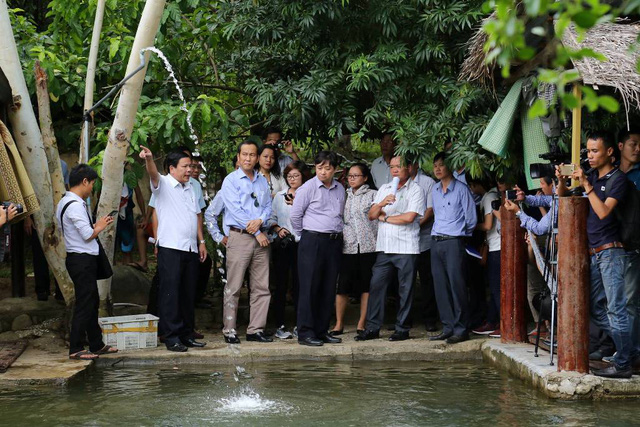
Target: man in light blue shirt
454 219
247 208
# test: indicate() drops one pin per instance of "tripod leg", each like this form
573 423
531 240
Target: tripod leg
553 325
535 353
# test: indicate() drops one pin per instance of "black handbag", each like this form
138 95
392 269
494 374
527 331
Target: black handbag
104 266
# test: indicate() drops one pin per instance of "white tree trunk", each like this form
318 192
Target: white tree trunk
48 137
31 147
120 133
91 76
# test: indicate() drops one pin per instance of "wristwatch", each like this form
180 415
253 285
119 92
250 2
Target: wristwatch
518 214
202 242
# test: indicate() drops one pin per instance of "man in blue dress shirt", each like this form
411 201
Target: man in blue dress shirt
454 219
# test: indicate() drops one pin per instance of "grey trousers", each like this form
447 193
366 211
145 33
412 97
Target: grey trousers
535 285
385 267
449 269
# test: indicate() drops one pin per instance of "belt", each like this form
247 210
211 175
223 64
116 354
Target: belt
238 230
606 246
440 238
331 236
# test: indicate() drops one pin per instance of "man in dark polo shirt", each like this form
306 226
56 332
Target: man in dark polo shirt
608 259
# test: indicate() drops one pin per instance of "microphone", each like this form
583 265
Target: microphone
394 185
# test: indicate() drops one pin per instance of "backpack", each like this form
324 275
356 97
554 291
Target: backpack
628 213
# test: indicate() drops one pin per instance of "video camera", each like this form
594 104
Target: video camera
556 156
18 206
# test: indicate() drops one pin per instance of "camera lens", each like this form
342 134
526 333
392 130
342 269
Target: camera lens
538 170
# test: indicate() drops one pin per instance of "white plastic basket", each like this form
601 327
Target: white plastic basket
130 332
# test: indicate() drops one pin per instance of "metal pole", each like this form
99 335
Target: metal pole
576 128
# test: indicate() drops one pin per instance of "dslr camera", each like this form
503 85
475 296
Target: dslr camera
495 204
284 242
18 206
556 156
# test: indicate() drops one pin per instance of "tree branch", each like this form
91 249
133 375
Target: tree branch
208 49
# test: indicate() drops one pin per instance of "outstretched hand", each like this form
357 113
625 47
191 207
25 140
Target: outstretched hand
145 153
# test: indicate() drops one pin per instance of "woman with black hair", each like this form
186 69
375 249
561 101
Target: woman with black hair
269 167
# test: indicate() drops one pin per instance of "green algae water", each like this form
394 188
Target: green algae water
304 393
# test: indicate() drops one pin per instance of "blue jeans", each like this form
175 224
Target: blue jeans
609 301
632 291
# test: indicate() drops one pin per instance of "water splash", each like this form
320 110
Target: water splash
248 401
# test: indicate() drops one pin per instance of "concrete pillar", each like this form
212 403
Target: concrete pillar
573 285
513 279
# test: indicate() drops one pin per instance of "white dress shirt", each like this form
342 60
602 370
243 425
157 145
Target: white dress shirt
426 183
76 225
401 239
177 209
197 190
381 172
281 214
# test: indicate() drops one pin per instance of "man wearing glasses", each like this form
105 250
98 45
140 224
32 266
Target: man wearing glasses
247 203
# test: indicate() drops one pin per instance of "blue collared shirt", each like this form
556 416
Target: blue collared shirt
454 210
544 225
245 199
633 175
215 209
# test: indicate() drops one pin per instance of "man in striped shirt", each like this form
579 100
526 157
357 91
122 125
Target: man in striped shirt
398 207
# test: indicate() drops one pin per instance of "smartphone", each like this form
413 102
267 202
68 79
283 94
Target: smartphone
511 194
567 170
113 213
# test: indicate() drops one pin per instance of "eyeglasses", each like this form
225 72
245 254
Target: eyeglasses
255 200
354 176
296 176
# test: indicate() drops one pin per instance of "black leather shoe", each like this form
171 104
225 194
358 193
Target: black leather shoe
368 334
231 339
177 347
613 372
190 342
596 355
312 342
455 339
399 336
335 333
431 326
328 339
441 336
259 337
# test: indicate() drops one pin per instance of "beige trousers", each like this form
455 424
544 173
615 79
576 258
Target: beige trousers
243 251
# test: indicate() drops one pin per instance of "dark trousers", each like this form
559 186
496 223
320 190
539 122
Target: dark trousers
430 309
492 274
204 272
40 267
387 267
152 305
476 288
177 282
449 269
83 269
318 266
285 266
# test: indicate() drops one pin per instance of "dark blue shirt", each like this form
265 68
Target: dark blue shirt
607 230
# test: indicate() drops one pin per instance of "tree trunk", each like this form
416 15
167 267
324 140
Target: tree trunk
91 76
115 154
31 147
48 137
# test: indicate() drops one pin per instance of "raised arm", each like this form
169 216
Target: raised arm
152 170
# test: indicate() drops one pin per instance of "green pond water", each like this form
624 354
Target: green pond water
304 393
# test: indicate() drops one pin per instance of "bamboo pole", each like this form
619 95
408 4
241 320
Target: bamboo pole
576 127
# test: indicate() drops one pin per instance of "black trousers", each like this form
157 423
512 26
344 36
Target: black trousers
285 266
177 283
318 266
40 267
204 272
429 307
83 269
449 269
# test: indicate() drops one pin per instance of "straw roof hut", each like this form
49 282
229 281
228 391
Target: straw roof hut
614 40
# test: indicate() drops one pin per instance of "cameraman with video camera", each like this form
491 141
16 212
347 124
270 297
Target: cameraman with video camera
8 211
605 186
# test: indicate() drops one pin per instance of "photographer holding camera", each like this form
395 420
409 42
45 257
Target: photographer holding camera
8 211
605 187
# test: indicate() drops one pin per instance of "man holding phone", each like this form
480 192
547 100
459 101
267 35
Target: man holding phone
608 259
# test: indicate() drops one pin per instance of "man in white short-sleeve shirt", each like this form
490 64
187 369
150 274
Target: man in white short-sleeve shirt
181 247
380 167
399 211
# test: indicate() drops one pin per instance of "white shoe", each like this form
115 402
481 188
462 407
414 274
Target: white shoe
283 334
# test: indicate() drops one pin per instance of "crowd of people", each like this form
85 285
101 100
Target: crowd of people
392 225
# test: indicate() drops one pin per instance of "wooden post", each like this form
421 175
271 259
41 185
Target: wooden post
513 279
573 285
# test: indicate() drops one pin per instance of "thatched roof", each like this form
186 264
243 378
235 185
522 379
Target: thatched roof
612 40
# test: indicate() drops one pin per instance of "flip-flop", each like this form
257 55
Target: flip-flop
83 355
138 267
107 349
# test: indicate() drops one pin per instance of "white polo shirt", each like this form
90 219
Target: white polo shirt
381 172
76 225
177 208
401 239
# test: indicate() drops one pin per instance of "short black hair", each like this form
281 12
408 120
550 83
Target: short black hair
186 149
247 142
197 159
275 169
388 132
440 156
548 179
80 173
326 156
607 139
482 180
626 134
173 158
269 130
366 172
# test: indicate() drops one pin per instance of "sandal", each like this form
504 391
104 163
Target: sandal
83 355
335 333
107 349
